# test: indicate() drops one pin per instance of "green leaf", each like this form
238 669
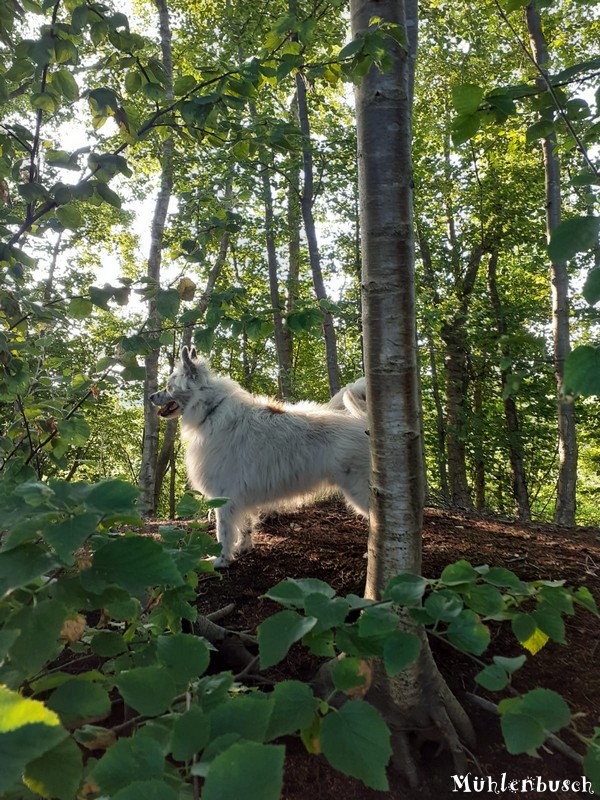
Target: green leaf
351 49
107 194
400 650
521 732
459 572
190 734
377 621
246 770
149 690
493 678
57 773
184 85
138 758
573 236
468 634
499 576
278 633
40 627
246 715
582 371
167 303
23 564
466 98
550 621
539 130
149 790
330 612
69 217
591 287
294 707
406 589
523 627
27 730
348 673
464 127
591 764
443 605
132 562
548 707
185 655
76 701
113 496
356 741
485 600
108 644
67 85
510 664
188 506
80 308
292 593
584 597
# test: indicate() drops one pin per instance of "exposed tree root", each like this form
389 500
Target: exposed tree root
419 707
551 740
231 646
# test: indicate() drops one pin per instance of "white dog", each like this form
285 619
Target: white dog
257 452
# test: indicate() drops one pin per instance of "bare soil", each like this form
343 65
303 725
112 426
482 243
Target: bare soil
328 542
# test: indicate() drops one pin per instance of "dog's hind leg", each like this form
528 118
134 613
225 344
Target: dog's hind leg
244 543
355 487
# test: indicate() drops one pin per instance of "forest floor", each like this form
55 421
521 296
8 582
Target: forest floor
328 542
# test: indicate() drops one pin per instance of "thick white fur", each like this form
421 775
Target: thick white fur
351 398
258 453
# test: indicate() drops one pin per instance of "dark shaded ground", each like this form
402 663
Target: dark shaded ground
327 542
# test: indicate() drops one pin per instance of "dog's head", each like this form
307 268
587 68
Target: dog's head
189 375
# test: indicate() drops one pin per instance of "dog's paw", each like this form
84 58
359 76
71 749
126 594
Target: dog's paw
220 562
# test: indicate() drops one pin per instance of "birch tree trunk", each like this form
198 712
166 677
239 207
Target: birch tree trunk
564 512
419 695
147 478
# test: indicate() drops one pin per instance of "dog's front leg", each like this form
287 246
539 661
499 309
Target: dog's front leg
226 534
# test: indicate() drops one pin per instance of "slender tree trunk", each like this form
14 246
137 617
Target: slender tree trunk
165 456
478 457
49 285
294 221
147 479
515 445
440 422
311 237
384 125
281 344
457 393
564 512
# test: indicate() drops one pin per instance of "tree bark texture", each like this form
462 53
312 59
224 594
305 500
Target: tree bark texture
147 478
384 127
564 512
419 695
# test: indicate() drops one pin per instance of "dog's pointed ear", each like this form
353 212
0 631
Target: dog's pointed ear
194 353
188 365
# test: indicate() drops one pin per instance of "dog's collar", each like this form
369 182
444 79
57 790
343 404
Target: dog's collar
211 411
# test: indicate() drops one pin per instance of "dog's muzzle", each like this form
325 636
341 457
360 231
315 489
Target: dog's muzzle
168 407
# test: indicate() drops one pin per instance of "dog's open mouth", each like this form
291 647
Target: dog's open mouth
169 409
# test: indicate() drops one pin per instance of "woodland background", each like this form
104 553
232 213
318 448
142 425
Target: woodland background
239 119
186 173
